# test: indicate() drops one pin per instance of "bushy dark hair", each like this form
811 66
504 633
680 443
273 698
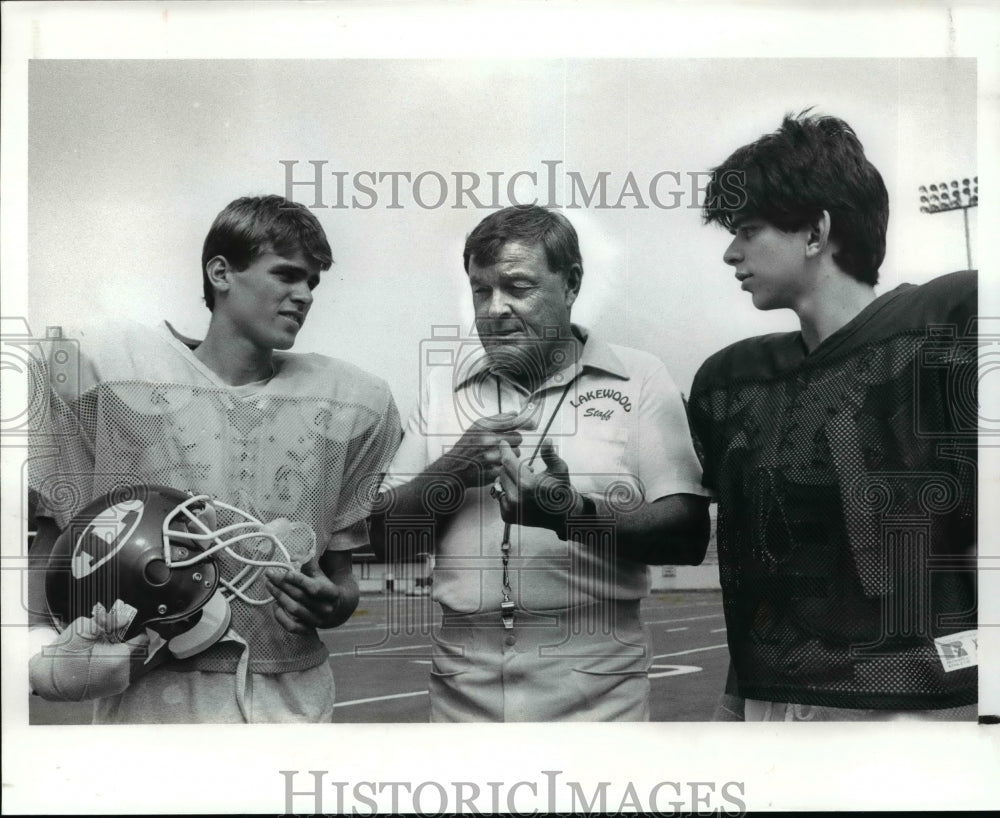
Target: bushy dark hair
787 178
253 225
529 225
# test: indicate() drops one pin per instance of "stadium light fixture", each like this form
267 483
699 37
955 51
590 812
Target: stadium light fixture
943 198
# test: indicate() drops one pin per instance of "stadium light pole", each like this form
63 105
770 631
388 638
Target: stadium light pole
943 197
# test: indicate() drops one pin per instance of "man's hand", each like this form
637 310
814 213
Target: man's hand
321 595
671 530
537 499
440 489
475 459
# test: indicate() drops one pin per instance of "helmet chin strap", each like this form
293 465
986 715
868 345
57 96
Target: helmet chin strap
211 626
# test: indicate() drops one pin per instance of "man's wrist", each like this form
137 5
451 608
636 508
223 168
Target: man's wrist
583 508
592 506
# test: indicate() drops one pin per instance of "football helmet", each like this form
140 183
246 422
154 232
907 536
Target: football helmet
161 551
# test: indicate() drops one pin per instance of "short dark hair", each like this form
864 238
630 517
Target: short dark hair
253 225
525 224
787 178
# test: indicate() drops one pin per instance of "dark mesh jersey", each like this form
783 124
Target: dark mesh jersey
846 483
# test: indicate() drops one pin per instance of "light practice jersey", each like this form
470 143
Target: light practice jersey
138 407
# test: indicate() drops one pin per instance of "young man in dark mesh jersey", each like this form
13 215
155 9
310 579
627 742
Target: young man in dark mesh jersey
842 456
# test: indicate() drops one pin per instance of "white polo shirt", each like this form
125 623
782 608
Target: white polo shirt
619 423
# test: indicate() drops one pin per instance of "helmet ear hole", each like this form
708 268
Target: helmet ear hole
156 572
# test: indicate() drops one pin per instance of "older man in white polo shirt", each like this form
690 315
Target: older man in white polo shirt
553 469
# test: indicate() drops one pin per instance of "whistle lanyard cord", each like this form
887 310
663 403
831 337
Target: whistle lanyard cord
507 605
548 423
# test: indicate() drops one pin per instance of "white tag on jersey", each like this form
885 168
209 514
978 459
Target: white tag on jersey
958 650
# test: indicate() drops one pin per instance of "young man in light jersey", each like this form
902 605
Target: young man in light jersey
281 436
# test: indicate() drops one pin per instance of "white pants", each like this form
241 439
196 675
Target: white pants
584 664
199 697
